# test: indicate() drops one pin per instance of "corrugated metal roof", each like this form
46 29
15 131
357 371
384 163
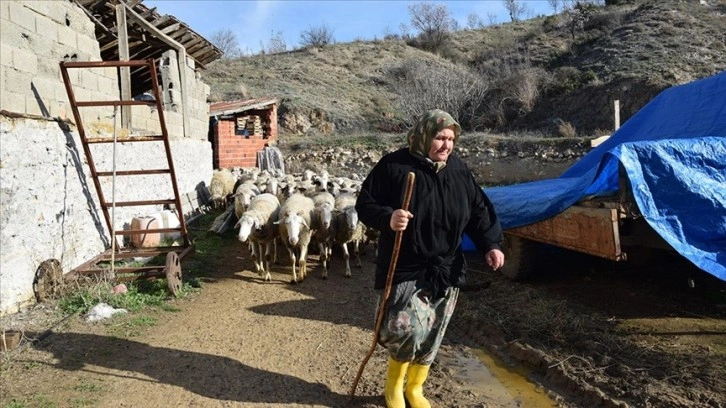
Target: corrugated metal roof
240 105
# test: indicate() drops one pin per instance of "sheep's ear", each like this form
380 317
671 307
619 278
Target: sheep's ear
305 223
238 223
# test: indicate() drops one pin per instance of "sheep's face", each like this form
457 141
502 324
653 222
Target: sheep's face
325 213
351 217
242 200
295 224
245 225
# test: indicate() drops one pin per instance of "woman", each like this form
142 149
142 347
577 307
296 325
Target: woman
446 203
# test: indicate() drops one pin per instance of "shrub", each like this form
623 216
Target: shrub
319 36
428 84
566 129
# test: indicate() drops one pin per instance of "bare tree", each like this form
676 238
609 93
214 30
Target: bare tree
434 23
579 15
319 36
473 21
276 44
226 40
405 31
515 8
555 4
492 18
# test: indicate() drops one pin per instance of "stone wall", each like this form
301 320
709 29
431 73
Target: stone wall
49 203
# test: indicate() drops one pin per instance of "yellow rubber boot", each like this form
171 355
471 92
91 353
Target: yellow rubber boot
394 384
417 375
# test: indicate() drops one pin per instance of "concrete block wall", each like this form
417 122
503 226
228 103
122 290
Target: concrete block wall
49 203
34 37
197 93
50 208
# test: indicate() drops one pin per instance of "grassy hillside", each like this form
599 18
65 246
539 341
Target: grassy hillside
547 75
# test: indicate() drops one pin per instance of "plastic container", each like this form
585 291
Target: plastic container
151 239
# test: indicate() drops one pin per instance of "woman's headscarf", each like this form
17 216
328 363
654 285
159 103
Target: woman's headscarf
421 136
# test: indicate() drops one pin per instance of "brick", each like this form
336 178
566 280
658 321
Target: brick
36 105
12 101
16 81
51 9
4 10
89 79
25 61
22 16
46 27
89 45
46 88
67 36
6 55
11 33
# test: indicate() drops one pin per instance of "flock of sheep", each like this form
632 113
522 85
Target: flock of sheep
297 210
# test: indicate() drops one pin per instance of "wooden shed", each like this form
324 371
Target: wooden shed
239 129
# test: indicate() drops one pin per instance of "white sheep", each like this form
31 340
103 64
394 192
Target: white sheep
322 181
322 219
243 194
256 224
294 223
221 186
347 229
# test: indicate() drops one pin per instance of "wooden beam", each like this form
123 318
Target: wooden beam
173 27
124 72
95 20
161 20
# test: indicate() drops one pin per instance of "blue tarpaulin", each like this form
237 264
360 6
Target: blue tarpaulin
674 154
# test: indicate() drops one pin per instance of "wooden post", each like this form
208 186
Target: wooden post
617 114
181 61
124 72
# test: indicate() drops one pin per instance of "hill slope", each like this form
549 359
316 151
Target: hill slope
547 74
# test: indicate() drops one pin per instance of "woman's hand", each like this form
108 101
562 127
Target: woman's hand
399 220
495 259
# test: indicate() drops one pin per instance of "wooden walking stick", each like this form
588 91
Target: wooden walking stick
389 283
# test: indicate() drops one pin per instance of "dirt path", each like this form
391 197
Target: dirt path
593 333
239 342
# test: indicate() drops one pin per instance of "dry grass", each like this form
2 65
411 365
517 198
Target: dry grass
634 50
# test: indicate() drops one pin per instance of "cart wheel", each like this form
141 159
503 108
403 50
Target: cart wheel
520 257
173 273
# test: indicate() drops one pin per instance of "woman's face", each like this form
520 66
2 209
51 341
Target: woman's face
442 145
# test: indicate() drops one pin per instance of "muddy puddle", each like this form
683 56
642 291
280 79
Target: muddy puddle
494 381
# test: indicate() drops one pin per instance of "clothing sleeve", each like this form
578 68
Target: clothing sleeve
483 227
372 198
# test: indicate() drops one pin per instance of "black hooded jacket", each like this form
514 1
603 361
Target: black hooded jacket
444 206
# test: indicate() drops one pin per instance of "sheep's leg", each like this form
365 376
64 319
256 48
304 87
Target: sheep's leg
346 257
303 262
274 244
253 254
266 265
294 261
324 258
356 252
260 255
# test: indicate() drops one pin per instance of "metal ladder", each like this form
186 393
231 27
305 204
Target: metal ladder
174 254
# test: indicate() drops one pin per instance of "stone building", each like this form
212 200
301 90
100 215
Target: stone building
48 203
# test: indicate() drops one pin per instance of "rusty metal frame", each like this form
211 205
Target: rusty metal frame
92 267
